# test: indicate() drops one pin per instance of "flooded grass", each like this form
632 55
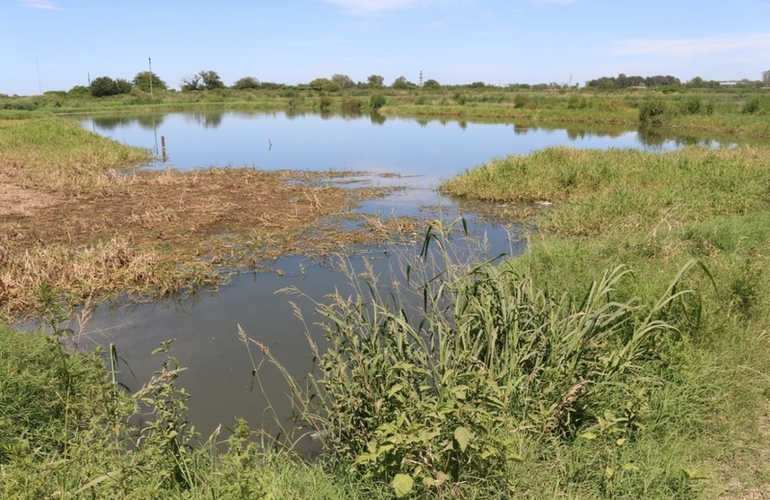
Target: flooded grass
73 221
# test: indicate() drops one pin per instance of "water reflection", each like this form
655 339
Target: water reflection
209 119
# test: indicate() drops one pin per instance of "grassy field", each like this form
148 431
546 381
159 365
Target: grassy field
623 355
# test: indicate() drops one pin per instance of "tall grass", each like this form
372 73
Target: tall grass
654 213
493 370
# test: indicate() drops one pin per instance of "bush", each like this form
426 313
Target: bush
376 101
246 83
691 106
105 86
751 106
653 112
522 101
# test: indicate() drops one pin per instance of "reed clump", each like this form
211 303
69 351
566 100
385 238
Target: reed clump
490 371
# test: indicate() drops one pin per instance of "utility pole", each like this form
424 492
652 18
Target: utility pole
150 59
89 78
420 78
39 81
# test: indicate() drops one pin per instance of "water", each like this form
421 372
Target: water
420 153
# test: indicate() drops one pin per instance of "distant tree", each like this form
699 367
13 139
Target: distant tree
431 84
245 83
79 90
211 80
192 83
477 85
375 81
123 86
104 86
323 84
402 83
205 80
142 81
344 81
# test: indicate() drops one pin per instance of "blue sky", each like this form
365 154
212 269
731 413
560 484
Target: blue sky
54 44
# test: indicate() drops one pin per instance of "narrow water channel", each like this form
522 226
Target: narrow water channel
419 154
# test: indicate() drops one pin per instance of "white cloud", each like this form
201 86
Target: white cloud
690 46
41 4
374 6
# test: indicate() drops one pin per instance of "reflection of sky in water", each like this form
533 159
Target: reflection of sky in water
433 150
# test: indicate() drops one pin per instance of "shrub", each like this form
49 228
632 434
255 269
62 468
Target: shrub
751 106
104 86
691 106
653 112
522 101
351 105
246 83
376 101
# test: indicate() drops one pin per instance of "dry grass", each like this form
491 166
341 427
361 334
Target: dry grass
73 222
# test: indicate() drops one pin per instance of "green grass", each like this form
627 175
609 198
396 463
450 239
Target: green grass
50 152
654 213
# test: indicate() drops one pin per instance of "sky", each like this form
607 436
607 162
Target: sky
57 44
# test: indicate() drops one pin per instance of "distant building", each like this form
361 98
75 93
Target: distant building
728 83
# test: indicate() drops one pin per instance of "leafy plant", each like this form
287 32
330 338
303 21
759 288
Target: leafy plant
376 101
430 398
653 112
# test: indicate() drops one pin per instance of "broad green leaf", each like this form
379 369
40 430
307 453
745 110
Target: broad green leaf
463 437
402 484
395 389
620 441
630 467
609 471
588 435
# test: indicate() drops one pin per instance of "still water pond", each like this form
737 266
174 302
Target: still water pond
419 152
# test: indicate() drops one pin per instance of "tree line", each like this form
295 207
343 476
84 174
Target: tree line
623 82
210 80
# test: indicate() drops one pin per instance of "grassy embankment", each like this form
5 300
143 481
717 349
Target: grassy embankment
708 409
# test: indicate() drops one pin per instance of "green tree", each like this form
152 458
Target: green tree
431 84
247 82
402 83
375 81
79 90
323 84
211 80
142 81
104 86
192 83
344 81
205 80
